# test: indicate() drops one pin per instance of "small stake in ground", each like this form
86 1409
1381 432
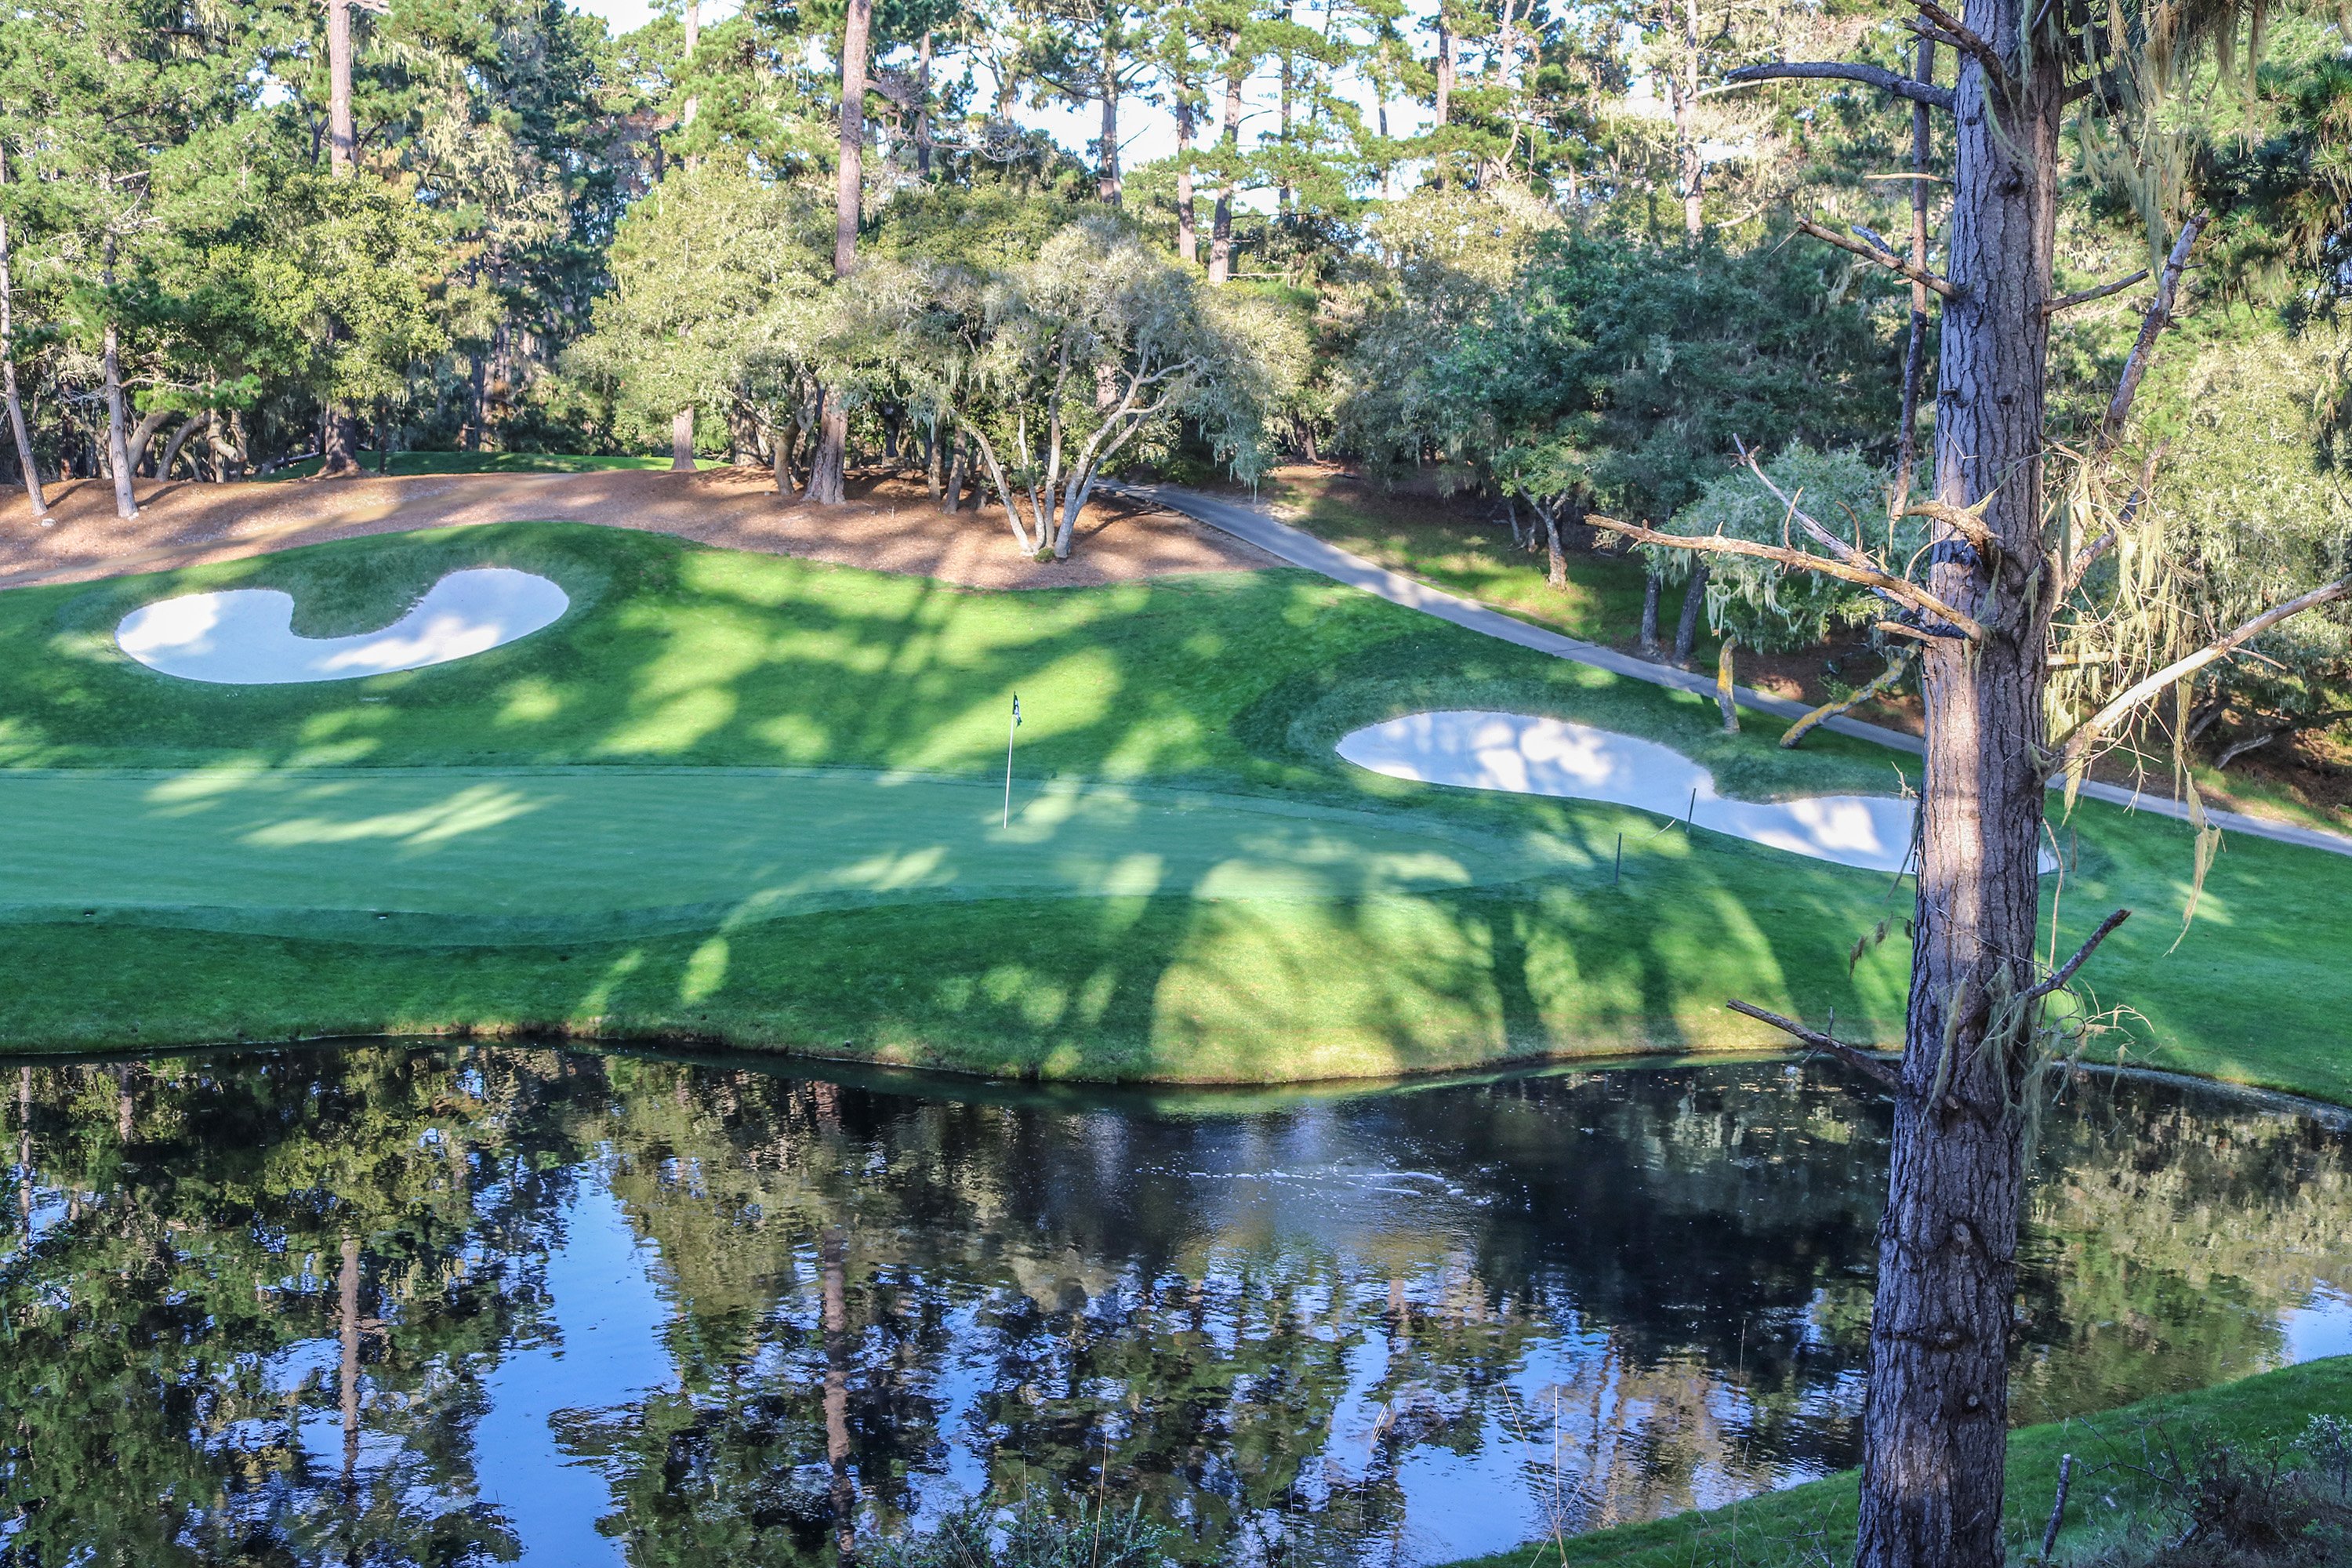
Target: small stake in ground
1008 759
1617 875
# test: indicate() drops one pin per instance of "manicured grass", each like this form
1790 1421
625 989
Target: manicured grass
488 463
2118 1498
562 833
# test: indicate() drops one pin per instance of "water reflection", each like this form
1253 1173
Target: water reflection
450 1305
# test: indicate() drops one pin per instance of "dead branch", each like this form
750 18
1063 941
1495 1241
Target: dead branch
2158 316
2321 721
1885 80
2087 733
1948 28
1960 520
2065 971
1836 546
2084 296
1862 1062
1884 258
1910 594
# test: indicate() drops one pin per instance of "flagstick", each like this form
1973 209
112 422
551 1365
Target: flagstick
1009 728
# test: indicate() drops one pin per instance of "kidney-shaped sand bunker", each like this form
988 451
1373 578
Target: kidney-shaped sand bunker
244 636
1527 755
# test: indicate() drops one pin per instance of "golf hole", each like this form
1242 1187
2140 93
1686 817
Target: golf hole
244 636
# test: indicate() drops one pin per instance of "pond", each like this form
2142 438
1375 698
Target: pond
414 1302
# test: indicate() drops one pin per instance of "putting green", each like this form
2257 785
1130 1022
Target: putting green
475 856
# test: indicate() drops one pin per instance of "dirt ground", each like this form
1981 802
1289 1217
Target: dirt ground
888 525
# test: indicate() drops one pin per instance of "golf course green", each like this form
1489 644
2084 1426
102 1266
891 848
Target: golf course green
741 798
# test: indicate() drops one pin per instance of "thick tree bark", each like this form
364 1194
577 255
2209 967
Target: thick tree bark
1229 142
952 502
1188 244
1687 625
1935 1420
681 440
1651 586
828 471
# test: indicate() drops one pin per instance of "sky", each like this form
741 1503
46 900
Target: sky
1148 132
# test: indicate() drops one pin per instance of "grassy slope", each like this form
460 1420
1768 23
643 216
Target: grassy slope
677 656
488 463
2116 1496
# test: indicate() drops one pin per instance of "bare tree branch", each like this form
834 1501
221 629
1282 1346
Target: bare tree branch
2084 296
1884 1073
2088 732
1884 258
1950 29
1885 80
2158 316
1910 594
2065 971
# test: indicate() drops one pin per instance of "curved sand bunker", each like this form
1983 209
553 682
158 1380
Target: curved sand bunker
1527 755
244 636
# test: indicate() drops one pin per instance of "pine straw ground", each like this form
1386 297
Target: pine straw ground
888 525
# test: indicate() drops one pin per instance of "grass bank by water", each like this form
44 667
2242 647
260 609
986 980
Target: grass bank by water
2123 1499
743 798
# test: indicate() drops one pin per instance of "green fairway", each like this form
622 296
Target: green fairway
490 463
741 798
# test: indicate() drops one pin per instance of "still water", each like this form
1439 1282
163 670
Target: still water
401 1304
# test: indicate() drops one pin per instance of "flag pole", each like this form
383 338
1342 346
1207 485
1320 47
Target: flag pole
1015 725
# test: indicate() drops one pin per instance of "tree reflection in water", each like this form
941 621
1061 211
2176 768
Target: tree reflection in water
258 1308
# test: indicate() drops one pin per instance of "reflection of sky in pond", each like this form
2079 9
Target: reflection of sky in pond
622 1309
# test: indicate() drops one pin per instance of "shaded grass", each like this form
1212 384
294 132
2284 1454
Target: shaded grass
2118 1494
679 657
492 463
1455 546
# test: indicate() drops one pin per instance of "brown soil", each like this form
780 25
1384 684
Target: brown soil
888 525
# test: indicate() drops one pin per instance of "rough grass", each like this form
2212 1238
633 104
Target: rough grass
334 858
2125 1491
488 463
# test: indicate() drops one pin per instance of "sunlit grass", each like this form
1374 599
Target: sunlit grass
1170 950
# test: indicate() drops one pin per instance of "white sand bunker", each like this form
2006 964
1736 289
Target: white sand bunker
244 636
1551 756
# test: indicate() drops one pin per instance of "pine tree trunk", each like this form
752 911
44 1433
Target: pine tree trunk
826 472
1682 90
923 108
172 448
1221 225
338 436
1935 1419
1188 244
1106 182
681 440
1652 586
